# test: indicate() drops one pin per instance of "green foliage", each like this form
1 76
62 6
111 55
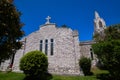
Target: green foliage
110 33
85 64
34 64
10 30
109 54
108 51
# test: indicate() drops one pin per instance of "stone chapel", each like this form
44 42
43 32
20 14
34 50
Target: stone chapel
60 44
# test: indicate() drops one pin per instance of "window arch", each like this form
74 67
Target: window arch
41 45
46 46
91 53
100 24
52 46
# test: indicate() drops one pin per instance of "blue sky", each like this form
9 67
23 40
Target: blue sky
77 14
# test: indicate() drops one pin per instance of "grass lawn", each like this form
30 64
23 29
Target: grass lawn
58 77
98 71
20 76
11 76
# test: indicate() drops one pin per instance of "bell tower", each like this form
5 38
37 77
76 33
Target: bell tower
99 24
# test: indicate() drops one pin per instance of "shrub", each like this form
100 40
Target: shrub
34 65
85 64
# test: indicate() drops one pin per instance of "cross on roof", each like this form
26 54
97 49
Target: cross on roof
48 20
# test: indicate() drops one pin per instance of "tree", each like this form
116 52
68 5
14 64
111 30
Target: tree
34 65
85 64
110 33
108 51
10 30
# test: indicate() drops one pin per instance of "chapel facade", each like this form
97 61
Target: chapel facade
60 44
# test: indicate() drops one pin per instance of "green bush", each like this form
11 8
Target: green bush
34 65
85 64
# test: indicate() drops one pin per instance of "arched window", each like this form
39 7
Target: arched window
100 24
41 45
46 46
91 53
52 46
